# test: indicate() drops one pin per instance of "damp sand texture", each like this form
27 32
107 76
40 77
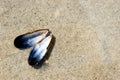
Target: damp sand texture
87 39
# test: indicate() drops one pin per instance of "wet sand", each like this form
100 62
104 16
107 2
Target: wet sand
87 39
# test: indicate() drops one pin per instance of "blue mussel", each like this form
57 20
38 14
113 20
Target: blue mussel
42 42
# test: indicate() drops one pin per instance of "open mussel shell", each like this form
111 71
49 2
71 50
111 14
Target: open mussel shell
41 52
30 39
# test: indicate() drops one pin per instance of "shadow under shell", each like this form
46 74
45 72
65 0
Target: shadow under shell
30 39
37 64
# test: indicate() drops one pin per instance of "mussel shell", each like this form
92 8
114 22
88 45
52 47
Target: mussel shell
41 52
30 39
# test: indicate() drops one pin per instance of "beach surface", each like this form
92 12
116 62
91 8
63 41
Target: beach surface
87 39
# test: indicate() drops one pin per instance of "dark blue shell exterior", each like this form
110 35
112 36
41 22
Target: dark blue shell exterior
23 41
36 61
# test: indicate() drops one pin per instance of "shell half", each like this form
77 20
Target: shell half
41 51
30 39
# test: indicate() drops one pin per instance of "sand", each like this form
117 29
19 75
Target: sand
87 39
